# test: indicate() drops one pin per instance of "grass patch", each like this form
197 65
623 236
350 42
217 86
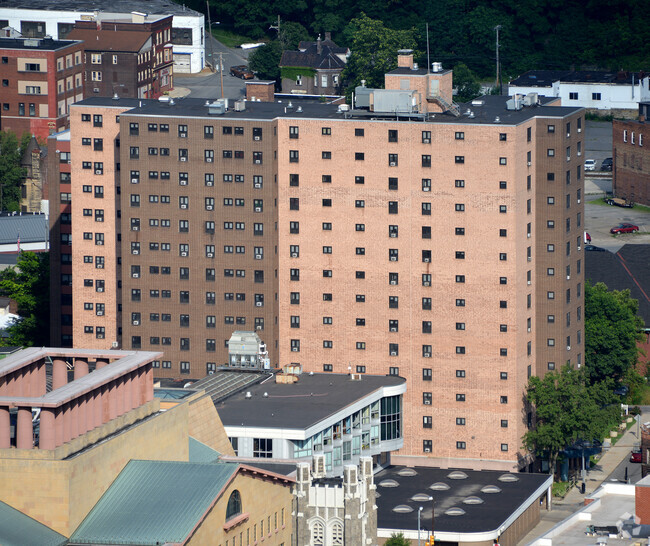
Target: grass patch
230 38
560 489
601 201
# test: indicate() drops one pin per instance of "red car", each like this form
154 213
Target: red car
635 457
624 228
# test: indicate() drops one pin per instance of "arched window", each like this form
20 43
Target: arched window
234 505
337 534
318 534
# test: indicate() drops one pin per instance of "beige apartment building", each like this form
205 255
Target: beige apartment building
442 245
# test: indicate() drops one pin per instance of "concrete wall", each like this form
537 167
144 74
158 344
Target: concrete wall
205 425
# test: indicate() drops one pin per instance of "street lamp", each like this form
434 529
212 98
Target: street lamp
420 510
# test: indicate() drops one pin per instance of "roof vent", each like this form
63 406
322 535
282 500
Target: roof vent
266 395
207 103
407 472
455 511
299 109
290 105
478 102
490 489
457 475
116 96
248 394
436 67
497 119
415 66
388 483
508 478
439 486
403 509
171 102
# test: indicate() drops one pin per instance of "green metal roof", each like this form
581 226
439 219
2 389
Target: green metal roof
18 529
200 453
153 502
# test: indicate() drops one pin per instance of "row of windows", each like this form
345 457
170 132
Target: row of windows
632 138
393 159
183 177
427 445
393 134
183 154
208 130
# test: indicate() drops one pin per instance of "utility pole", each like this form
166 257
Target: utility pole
497 84
276 28
207 7
221 71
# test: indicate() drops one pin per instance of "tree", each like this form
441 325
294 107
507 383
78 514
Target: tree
397 539
28 284
466 83
11 172
567 409
612 330
374 51
291 34
265 61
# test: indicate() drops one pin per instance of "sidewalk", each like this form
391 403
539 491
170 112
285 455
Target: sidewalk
574 500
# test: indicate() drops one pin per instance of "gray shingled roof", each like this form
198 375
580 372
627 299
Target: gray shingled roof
31 227
325 60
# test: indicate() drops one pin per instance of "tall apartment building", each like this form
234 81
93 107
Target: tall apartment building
41 78
445 248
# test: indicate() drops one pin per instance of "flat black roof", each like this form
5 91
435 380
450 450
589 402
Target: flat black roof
313 398
485 516
114 6
491 110
545 78
415 72
43 44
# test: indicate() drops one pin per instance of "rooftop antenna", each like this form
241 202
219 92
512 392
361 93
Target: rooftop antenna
428 58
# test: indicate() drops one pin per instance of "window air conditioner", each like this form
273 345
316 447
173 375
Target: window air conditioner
393 258
209 183
568 135
256 138
568 277
294 254
393 353
527 235
210 255
393 282
184 254
183 158
579 201
258 256
427 355
100 336
529 282
100 313
393 329
183 206
426 283
258 209
100 289
258 161
98 171
135 228
295 349
393 234
579 130
209 207
183 135
392 163
136 275
427 450
426 141
568 347
135 181
579 154
426 260
427 403
529 163
135 251
208 159
182 182
257 185
136 323
426 188
259 303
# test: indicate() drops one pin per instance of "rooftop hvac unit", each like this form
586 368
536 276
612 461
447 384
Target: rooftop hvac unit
208 159
136 323
183 158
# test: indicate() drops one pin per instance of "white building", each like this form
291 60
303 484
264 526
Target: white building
56 19
588 89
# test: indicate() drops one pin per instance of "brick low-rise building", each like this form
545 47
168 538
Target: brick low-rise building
41 78
631 156
444 248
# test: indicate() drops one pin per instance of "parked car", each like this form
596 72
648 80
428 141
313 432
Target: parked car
241 71
619 202
590 164
607 164
635 457
624 228
594 248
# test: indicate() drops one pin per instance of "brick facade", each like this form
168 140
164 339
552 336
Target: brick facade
631 141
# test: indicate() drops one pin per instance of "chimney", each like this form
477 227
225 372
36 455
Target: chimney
405 58
319 47
328 36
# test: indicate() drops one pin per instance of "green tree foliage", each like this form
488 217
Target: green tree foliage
29 285
466 83
265 61
11 173
397 539
374 51
567 409
612 329
291 34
